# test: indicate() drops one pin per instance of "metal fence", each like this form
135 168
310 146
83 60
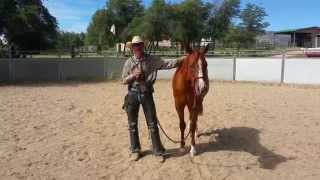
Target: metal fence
276 70
60 69
6 53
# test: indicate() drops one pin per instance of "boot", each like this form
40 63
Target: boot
134 138
158 148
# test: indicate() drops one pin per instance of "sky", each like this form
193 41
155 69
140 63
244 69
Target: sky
75 15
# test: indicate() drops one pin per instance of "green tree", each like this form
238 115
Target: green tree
189 21
66 40
27 24
237 37
252 17
7 11
221 18
121 13
153 26
98 30
251 25
117 12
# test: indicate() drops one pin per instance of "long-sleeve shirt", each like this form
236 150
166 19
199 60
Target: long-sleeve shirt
149 66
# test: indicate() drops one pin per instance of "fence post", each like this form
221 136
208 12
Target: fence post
60 78
234 67
11 64
283 66
104 68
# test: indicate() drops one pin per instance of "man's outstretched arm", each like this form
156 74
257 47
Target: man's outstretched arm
169 64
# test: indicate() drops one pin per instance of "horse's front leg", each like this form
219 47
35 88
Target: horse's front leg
196 131
193 127
180 111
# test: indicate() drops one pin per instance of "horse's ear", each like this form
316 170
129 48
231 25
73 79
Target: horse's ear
205 50
188 48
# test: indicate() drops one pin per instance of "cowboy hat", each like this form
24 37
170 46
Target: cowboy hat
135 40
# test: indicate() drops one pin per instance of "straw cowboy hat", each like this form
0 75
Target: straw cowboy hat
135 40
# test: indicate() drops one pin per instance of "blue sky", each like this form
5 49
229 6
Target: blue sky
75 15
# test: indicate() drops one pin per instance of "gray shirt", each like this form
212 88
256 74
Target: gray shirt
149 66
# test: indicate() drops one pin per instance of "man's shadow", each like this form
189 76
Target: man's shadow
237 139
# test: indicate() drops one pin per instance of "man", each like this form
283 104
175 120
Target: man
139 73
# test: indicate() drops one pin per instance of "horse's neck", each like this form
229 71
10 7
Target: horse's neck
185 70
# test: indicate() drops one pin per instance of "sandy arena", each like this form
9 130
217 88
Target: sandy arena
78 130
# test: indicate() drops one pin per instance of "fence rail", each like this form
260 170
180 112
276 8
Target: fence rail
274 70
277 70
6 53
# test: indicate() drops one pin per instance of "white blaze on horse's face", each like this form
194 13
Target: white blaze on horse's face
200 80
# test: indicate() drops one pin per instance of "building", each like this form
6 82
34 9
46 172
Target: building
305 37
269 40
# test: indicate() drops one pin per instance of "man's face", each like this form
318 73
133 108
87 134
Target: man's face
138 50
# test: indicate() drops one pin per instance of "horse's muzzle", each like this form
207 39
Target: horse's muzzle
200 86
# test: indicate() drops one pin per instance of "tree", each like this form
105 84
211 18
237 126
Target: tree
188 23
221 18
27 24
252 17
121 13
154 24
117 12
251 25
237 37
7 9
67 40
98 30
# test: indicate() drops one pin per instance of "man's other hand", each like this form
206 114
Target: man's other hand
136 73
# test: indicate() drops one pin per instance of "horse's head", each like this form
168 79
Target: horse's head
197 67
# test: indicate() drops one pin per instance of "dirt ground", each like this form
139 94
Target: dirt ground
78 130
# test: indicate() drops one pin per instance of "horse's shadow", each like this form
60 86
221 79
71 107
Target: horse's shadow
237 139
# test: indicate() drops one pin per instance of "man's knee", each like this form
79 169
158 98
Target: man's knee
133 125
153 126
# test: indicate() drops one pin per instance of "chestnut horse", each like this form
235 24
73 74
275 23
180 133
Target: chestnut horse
190 85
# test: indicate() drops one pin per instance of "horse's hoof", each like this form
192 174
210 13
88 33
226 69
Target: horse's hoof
182 144
193 151
182 150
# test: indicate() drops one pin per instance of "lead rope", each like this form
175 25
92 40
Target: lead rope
172 140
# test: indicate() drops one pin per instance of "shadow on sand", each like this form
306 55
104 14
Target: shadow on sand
236 139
